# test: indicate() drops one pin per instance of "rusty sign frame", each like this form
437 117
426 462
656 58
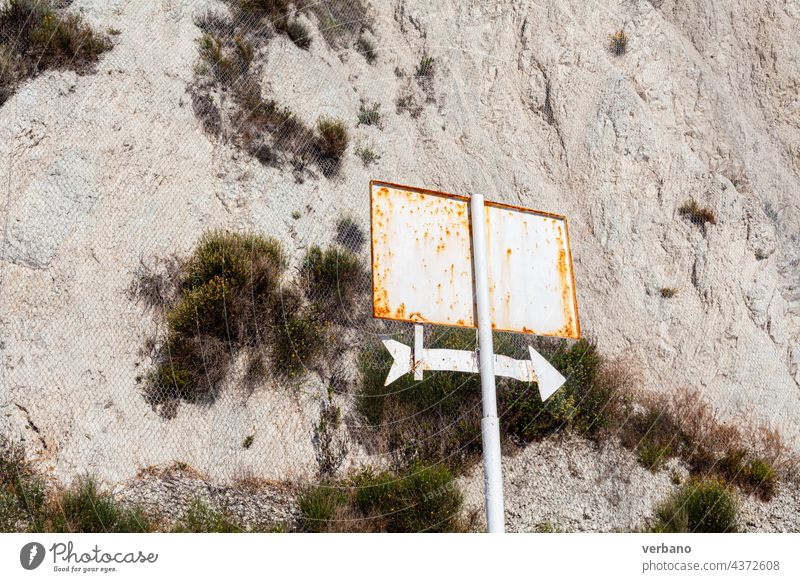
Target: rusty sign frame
571 328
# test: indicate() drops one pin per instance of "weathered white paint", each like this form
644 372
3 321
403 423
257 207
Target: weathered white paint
423 264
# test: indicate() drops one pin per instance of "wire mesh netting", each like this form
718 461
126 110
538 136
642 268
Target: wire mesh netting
188 337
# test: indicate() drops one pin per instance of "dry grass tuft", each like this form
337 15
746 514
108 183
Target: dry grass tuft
699 215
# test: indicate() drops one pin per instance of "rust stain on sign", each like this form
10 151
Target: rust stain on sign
422 263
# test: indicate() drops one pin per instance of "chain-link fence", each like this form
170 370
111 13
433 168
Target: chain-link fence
187 304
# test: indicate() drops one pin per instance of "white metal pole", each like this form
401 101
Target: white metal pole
490 428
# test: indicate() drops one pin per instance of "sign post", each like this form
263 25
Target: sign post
490 427
450 260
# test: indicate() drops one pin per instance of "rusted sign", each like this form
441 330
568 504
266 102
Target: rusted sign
422 263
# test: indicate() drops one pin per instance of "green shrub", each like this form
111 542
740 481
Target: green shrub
705 505
335 278
618 43
297 340
669 292
227 58
233 300
202 310
754 475
419 499
231 257
200 518
84 509
760 477
433 420
333 137
370 114
61 40
652 454
228 292
319 505
587 403
697 214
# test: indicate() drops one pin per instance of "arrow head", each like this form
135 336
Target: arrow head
548 378
402 359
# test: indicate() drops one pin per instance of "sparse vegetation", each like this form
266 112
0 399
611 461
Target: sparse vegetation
424 74
684 426
419 499
35 36
329 449
705 505
85 509
669 292
588 403
339 21
296 214
298 33
367 154
268 131
407 102
367 48
27 504
200 518
370 114
333 138
22 491
336 277
754 474
618 43
426 67
349 234
248 441
434 421
9 75
699 215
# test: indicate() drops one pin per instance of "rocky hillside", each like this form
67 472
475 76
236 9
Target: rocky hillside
675 157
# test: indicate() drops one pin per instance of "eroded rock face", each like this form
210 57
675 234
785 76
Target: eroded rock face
55 203
527 106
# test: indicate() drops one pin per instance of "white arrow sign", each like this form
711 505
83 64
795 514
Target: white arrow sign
536 369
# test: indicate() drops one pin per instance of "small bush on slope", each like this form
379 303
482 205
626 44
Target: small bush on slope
232 299
34 36
334 277
419 499
618 43
704 505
